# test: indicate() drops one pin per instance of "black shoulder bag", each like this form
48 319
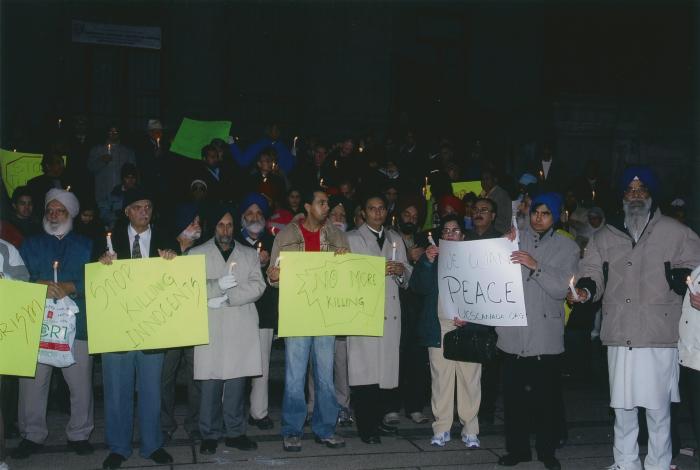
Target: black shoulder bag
470 343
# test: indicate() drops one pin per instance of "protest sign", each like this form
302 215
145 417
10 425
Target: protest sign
460 189
478 283
147 303
21 316
323 294
193 135
19 167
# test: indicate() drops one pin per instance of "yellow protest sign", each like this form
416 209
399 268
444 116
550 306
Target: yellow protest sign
147 303
21 316
323 294
460 189
19 167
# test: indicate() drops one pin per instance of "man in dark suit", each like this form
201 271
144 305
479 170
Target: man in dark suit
138 239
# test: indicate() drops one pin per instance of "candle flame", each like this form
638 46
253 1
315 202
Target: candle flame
68 188
55 264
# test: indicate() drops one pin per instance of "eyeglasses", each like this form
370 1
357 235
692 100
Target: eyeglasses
481 210
447 231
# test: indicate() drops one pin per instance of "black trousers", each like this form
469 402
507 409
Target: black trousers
369 411
414 382
490 387
531 402
693 382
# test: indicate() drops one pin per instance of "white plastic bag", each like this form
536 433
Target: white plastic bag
58 333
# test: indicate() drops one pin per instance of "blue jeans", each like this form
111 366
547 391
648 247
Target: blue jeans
297 351
118 373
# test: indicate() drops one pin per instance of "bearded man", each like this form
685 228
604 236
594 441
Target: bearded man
72 251
639 267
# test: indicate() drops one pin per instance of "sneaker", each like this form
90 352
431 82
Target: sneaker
619 466
418 417
471 441
4 466
439 440
392 418
333 441
345 419
291 444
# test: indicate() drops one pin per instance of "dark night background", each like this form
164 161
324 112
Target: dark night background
614 81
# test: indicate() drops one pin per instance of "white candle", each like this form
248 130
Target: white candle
691 287
335 163
541 174
277 261
259 248
68 188
109 149
321 183
274 166
230 268
593 195
393 251
59 122
294 145
55 271
157 142
110 248
430 238
574 294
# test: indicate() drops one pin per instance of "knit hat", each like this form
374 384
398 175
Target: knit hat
184 215
644 174
67 198
135 194
254 198
553 202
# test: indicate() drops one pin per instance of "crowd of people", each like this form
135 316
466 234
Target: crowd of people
632 260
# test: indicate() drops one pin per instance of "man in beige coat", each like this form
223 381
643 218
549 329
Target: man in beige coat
234 283
373 362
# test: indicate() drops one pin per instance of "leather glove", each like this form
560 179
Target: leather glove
217 302
228 281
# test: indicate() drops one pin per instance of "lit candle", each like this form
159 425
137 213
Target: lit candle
230 268
274 166
593 195
426 182
68 188
59 122
335 163
321 183
294 145
277 261
361 149
393 251
541 174
691 287
14 150
265 179
55 271
157 142
393 221
574 294
430 238
259 247
109 149
110 248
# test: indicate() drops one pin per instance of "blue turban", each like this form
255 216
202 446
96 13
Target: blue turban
527 179
646 176
553 202
254 198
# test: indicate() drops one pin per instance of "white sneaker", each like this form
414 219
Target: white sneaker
471 441
4 466
439 440
619 466
392 418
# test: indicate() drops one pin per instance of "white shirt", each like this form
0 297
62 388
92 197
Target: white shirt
15 258
144 240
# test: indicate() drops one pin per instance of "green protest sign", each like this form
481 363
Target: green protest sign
193 135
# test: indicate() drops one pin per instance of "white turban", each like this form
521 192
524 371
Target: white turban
67 198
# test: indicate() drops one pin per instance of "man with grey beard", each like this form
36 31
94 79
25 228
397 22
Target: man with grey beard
639 268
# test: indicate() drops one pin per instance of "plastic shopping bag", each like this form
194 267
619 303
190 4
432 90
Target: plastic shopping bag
58 333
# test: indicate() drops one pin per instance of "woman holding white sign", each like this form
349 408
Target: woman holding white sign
445 372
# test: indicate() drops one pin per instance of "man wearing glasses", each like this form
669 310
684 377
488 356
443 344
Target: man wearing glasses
639 267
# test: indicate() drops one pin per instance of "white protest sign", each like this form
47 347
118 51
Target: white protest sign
478 283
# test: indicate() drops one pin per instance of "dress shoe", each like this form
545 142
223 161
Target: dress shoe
161 457
511 460
81 447
25 449
551 463
262 423
386 430
208 446
113 461
195 435
241 442
371 440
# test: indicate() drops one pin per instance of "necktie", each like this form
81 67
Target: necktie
136 247
380 238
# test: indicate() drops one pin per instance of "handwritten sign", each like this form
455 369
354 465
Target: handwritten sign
21 316
478 283
323 294
193 135
146 304
460 189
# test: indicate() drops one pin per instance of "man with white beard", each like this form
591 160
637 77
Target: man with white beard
639 267
71 251
187 232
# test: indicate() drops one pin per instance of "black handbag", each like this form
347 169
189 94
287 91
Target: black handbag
470 343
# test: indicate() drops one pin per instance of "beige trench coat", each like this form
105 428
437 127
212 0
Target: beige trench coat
375 360
234 341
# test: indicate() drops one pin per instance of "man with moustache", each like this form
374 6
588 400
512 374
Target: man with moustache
72 251
638 266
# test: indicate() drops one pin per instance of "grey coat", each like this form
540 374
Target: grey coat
545 290
639 307
375 360
108 175
234 340
11 263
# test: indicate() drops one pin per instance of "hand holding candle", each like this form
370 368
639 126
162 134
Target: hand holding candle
110 248
393 251
55 272
430 238
574 294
